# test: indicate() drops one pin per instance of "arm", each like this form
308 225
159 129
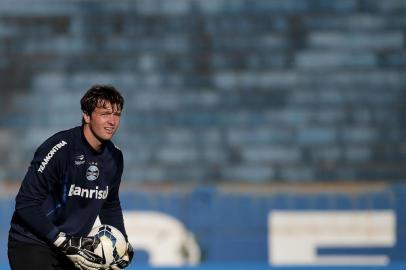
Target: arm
46 169
43 178
111 212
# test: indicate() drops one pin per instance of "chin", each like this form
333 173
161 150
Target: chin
107 138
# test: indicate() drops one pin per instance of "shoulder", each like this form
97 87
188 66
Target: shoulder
54 148
59 140
115 150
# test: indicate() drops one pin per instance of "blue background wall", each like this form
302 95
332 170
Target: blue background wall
230 223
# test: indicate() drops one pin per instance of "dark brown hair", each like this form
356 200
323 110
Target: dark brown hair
98 95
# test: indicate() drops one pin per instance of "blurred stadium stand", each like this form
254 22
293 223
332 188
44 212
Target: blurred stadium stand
252 91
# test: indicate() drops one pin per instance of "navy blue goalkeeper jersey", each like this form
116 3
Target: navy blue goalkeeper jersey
67 185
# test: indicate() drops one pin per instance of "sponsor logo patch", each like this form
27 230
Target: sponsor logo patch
80 159
88 193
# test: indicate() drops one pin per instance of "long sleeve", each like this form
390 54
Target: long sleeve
111 212
43 176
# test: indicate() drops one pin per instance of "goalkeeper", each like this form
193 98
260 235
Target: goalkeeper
74 177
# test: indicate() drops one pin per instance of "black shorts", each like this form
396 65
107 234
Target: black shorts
23 256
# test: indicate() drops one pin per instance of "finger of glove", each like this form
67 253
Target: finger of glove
78 266
90 257
84 264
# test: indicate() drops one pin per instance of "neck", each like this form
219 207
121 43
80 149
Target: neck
90 137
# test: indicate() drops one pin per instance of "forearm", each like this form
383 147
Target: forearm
34 217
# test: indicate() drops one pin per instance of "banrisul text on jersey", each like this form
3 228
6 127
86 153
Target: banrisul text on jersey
88 193
51 153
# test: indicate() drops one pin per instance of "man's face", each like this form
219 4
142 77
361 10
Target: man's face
103 121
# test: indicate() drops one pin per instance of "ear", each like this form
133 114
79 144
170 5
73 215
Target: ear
86 118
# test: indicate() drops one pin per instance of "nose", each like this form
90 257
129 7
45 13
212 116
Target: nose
113 119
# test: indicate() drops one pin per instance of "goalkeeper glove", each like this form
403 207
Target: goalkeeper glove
80 250
124 261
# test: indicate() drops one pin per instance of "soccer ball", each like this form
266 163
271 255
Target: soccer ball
112 245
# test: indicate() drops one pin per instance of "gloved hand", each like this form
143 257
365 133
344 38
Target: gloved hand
80 250
124 261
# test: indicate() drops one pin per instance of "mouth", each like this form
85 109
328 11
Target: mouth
109 130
